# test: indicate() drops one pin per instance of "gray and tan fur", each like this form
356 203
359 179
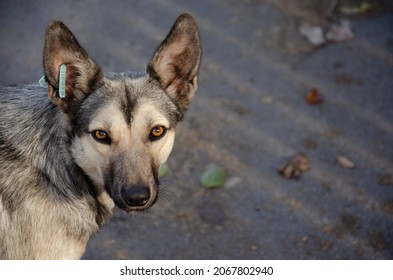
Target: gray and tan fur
66 163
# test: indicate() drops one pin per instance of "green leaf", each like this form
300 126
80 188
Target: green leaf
164 170
213 177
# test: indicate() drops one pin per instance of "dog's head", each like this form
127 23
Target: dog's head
123 125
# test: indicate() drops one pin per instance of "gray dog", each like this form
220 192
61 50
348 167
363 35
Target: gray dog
96 142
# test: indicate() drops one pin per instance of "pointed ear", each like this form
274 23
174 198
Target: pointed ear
82 73
176 62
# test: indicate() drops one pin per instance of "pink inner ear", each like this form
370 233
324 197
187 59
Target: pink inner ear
170 60
57 63
61 57
178 46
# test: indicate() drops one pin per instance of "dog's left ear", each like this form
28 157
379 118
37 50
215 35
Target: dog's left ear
81 73
176 62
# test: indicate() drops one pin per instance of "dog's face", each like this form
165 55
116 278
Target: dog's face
123 125
124 140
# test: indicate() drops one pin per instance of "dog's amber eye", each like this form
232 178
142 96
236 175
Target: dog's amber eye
101 136
157 132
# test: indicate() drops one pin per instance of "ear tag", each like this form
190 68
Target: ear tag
42 81
62 81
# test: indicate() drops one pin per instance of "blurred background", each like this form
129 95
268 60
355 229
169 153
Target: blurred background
281 82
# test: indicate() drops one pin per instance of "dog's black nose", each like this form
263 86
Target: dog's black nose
135 196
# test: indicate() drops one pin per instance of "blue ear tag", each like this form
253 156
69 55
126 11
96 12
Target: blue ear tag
62 81
42 81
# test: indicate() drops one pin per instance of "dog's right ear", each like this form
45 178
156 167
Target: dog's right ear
82 74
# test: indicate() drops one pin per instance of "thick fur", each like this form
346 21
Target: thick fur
59 183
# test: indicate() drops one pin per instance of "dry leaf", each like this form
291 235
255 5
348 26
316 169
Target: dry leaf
314 34
233 182
341 32
302 162
386 179
295 166
267 99
254 247
314 97
345 162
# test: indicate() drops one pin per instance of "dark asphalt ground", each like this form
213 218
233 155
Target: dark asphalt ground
249 116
